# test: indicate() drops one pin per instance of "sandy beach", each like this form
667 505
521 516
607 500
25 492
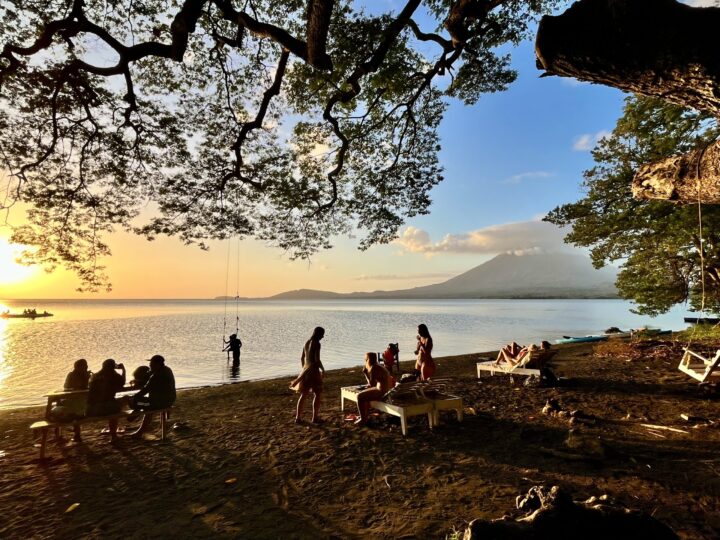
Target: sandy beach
239 468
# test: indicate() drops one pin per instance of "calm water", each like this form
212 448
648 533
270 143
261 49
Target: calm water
36 355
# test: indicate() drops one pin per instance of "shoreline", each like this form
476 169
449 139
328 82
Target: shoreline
238 467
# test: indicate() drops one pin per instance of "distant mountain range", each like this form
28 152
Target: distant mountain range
542 275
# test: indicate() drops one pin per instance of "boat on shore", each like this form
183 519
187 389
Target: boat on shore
30 314
702 320
580 339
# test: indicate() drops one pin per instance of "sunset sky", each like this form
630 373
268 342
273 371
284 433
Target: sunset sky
508 160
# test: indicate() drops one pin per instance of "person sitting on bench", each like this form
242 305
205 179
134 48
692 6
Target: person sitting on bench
158 393
380 382
73 406
101 394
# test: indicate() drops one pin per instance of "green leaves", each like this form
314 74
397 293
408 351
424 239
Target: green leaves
655 242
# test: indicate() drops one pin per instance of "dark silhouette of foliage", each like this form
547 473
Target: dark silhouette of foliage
283 120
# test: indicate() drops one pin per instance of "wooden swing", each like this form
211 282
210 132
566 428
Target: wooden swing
700 368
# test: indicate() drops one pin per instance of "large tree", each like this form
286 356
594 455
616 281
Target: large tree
660 246
285 120
659 48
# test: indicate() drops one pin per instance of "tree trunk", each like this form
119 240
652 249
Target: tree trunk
657 48
680 178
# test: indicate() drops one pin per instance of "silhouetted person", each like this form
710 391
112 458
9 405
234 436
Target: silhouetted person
158 393
73 407
79 377
233 345
311 376
101 394
140 377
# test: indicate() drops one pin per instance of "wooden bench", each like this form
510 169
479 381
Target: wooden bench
46 425
406 403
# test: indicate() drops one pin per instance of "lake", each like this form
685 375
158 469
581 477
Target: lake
35 355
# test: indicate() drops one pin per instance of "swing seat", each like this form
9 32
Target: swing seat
699 367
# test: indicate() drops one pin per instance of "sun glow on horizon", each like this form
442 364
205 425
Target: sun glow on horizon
11 272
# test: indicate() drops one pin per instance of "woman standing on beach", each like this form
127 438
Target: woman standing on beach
311 376
424 363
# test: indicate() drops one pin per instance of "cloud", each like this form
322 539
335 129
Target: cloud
403 277
519 238
587 141
516 179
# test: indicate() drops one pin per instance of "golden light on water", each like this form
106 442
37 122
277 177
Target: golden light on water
4 367
12 273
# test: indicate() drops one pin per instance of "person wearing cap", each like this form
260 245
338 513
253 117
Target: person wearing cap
158 392
101 393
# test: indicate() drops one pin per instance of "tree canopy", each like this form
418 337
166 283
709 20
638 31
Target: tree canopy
657 243
288 121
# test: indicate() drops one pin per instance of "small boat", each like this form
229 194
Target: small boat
27 315
702 320
584 339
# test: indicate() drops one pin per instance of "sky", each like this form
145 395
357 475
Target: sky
508 160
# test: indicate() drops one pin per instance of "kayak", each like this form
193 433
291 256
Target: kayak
25 315
584 339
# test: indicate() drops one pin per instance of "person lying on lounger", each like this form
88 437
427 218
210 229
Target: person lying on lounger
513 354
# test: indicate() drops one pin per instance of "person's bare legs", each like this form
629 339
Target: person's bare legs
113 424
76 433
316 407
364 399
147 418
300 405
427 370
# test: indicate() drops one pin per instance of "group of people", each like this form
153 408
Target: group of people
379 379
155 386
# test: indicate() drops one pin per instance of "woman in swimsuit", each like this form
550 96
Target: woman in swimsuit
311 376
424 363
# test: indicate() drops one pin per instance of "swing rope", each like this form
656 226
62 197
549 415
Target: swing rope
227 282
237 290
701 248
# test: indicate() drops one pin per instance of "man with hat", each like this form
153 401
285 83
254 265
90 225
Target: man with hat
158 392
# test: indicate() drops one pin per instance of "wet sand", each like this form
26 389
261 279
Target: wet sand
241 468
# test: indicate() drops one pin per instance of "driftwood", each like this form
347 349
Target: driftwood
551 513
659 48
687 178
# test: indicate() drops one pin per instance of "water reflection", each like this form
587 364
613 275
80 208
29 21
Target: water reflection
234 371
5 368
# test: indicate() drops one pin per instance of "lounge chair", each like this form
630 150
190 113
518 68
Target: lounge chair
700 368
436 390
530 364
402 401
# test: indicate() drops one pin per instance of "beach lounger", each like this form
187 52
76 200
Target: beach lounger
403 401
700 368
530 364
436 390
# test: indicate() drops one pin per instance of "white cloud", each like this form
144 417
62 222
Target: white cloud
520 238
517 178
404 277
587 141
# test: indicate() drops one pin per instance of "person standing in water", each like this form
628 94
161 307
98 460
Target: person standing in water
311 376
233 345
